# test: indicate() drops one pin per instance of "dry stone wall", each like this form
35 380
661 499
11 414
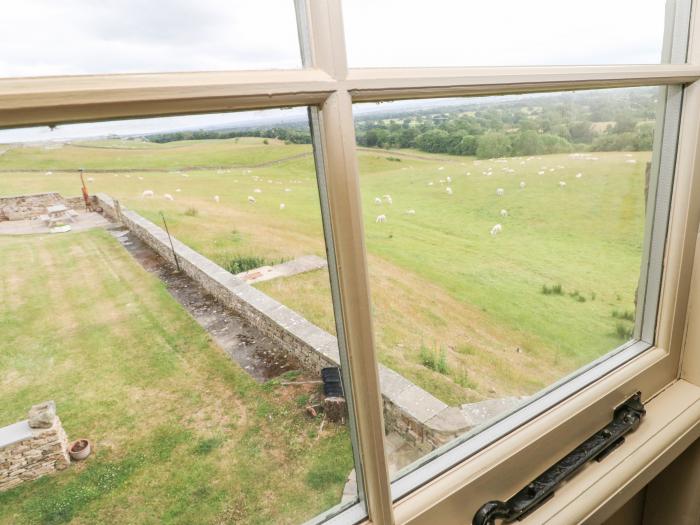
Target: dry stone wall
32 448
415 414
28 206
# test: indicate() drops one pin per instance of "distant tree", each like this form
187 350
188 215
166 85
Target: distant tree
493 145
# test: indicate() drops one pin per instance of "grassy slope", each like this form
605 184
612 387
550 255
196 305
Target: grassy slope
438 278
182 434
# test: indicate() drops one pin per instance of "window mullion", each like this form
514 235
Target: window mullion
332 126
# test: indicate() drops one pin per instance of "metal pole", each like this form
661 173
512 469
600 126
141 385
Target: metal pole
177 263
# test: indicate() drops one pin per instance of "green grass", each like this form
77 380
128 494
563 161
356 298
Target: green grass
546 284
181 433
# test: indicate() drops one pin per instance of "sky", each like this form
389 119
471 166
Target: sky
73 37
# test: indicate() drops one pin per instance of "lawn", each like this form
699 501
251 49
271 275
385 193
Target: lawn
441 284
182 434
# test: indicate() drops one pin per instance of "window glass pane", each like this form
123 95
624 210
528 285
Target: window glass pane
505 239
405 33
200 393
74 37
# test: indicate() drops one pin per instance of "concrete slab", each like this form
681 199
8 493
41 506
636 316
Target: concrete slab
304 264
84 221
15 433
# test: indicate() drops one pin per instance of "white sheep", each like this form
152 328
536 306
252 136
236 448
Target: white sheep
504 213
387 199
178 190
251 199
522 184
377 200
282 206
431 183
287 190
168 197
49 173
579 175
500 191
217 199
441 168
496 229
257 190
90 179
540 172
448 190
449 179
148 193
562 184
631 161
380 218
410 212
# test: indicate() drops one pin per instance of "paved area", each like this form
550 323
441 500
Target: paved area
307 263
84 221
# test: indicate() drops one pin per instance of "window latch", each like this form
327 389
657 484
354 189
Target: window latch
626 418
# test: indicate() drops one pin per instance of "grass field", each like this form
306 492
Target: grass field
181 433
458 311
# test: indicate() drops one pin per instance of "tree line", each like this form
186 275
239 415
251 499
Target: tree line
592 121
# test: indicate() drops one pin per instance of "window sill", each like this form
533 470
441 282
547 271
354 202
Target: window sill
671 424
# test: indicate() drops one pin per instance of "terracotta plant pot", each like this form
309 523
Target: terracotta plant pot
80 449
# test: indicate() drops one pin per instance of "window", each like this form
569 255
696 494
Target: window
72 38
423 284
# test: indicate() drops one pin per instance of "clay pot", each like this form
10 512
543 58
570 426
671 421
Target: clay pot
80 449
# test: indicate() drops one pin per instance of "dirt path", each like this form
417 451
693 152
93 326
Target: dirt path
392 153
257 354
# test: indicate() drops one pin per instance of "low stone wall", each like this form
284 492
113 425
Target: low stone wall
32 448
20 207
409 410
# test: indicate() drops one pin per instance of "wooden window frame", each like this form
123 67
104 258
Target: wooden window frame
329 88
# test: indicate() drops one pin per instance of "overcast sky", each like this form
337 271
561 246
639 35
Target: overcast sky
50 37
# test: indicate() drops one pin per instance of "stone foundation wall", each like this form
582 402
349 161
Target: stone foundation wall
409 410
28 206
28 452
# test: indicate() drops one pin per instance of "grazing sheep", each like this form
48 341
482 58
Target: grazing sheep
562 184
500 191
380 218
441 168
251 199
148 193
431 183
579 175
217 199
504 213
90 179
522 184
387 199
287 190
496 229
168 197
377 200
410 212
442 181
540 172
631 161
257 190
282 205
140 178
448 190
184 175
49 173
449 179
469 173
178 190
128 176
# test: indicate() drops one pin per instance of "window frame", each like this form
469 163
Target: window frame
542 429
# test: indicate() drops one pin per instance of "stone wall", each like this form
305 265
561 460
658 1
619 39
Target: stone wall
417 415
32 448
28 206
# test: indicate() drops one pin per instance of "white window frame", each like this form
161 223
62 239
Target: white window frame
457 480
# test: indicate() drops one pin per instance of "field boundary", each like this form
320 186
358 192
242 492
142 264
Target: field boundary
418 416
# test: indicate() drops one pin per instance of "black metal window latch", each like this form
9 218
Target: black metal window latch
626 418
